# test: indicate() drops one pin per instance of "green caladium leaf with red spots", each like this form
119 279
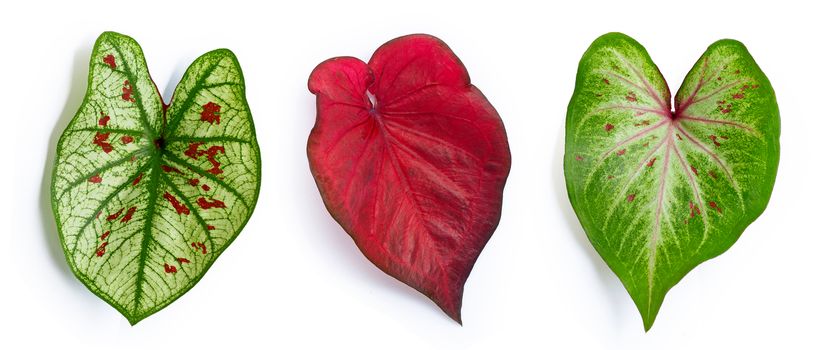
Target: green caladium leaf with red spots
146 195
657 189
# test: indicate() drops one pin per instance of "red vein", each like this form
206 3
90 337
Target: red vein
358 162
343 134
652 243
713 155
714 121
633 176
627 81
642 78
636 136
699 86
660 112
712 94
694 186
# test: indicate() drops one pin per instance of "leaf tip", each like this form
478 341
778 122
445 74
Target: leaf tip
450 305
132 318
649 313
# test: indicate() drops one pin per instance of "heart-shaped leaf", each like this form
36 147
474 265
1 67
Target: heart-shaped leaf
411 160
658 191
146 196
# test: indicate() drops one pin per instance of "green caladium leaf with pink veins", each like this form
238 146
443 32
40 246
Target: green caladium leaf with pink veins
147 195
657 189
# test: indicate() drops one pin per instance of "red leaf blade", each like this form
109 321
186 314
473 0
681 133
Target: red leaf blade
411 160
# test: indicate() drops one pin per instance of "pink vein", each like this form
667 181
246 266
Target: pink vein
652 246
632 177
627 81
636 136
709 152
660 112
691 180
642 77
712 94
697 89
714 121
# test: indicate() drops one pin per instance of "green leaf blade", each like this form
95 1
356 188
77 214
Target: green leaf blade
139 225
660 191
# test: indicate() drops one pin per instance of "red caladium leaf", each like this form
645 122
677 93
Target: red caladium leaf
411 160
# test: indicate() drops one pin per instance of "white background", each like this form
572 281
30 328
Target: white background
294 279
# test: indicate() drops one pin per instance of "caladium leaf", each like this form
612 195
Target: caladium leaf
411 160
146 196
660 190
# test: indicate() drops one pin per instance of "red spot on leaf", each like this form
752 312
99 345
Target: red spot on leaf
738 96
712 174
606 81
695 210
138 178
211 227
194 152
183 261
104 120
110 61
170 169
736 71
127 139
95 179
724 109
609 127
180 208
105 235
170 268
630 197
127 90
129 214
643 123
651 162
631 96
200 246
713 205
101 139
101 249
205 187
578 158
204 204
697 173
678 136
114 216
714 139
210 113
621 152
193 182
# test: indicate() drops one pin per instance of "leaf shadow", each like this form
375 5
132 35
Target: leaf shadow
173 81
76 91
611 285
